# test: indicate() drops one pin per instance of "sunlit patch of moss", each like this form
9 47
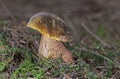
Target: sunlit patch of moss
2 66
28 69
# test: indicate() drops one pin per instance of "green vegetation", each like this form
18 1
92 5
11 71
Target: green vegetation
28 69
101 31
22 63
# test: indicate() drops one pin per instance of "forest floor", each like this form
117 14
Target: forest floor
96 31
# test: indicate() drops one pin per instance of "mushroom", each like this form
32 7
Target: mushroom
54 32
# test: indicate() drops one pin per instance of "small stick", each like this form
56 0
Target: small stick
70 24
87 30
96 53
9 13
94 35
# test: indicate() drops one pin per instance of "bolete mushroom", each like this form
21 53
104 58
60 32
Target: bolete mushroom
54 33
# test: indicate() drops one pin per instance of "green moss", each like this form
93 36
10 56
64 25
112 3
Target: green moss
2 66
28 69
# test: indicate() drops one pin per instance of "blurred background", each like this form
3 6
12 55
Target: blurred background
98 15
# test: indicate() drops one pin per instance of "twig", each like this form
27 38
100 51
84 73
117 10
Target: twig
94 35
96 53
103 67
87 30
115 74
9 13
70 25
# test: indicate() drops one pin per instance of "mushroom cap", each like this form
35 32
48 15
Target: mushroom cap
50 25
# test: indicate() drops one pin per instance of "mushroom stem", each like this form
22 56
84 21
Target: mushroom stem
53 49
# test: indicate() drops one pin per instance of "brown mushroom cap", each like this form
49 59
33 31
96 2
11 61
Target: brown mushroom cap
50 25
